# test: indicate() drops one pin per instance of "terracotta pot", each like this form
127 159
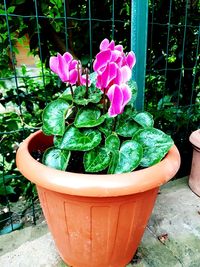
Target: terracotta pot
194 178
96 220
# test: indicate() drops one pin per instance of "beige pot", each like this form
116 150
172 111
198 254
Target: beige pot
194 178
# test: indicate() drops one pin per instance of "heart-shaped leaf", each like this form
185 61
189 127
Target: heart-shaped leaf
112 142
126 126
106 126
130 155
88 117
54 117
96 159
145 119
94 95
155 144
56 158
83 140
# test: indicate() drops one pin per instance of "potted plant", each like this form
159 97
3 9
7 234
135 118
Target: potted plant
95 205
194 178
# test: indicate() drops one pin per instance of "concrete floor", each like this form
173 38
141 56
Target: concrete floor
172 238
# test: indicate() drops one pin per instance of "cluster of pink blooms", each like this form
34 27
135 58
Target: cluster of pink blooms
113 68
67 69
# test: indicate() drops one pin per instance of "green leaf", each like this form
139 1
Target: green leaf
130 155
54 117
155 144
145 119
106 126
126 126
96 159
113 162
7 178
6 190
66 95
94 95
83 140
56 158
112 142
133 86
87 117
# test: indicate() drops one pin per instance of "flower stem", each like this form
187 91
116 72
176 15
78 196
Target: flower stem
71 89
78 68
87 77
104 100
114 124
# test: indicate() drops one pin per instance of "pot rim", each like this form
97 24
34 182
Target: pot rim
95 185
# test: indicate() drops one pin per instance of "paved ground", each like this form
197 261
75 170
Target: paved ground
172 238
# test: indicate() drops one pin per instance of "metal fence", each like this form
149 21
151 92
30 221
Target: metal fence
163 34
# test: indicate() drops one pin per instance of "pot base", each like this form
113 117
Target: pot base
97 232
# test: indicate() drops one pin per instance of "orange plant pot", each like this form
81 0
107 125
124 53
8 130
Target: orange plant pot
95 220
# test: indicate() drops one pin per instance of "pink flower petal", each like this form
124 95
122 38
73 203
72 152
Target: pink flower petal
108 74
119 48
127 94
73 76
126 74
118 78
116 98
63 71
104 44
73 64
131 59
112 45
115 55
68 57
101 60
53 63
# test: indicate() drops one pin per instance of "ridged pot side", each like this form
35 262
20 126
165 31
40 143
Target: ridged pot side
96 220
97 232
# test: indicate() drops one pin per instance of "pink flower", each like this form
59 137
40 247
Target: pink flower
119 96
65 66
112 65
67 69
130 60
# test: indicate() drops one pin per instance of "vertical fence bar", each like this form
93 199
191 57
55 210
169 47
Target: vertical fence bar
167 47
113 19
13 65
194 76
139 22
65 16
183 54
90 32
40 48
6 195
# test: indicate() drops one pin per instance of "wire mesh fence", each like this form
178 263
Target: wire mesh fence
171 91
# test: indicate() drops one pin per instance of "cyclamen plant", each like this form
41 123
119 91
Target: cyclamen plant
96 116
